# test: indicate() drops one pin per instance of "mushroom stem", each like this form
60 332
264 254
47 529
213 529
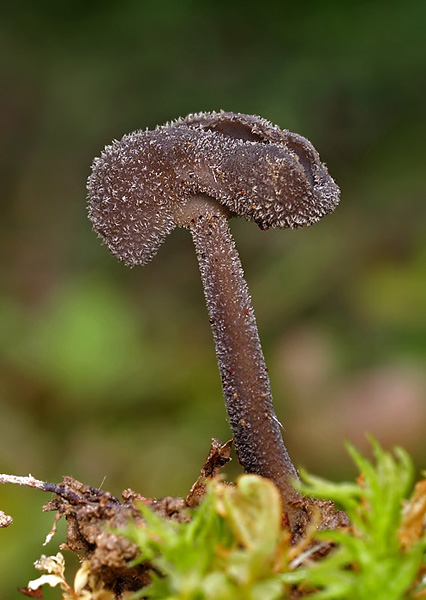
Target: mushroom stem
256 429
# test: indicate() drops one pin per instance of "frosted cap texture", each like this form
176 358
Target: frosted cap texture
247 164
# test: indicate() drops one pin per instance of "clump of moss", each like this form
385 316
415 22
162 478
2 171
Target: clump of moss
233 545
382 554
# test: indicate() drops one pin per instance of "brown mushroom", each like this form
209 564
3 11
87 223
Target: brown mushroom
197 172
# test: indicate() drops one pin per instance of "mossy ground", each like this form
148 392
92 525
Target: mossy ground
227 541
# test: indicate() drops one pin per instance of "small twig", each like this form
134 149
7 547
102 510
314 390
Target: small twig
44 486
60 490
28 481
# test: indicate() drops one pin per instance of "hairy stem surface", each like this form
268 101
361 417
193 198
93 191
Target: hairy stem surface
245 381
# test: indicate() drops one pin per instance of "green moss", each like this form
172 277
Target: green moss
233 547
381 555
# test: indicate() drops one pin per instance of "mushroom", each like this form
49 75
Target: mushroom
196 173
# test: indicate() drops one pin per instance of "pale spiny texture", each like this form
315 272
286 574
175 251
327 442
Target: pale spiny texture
256 170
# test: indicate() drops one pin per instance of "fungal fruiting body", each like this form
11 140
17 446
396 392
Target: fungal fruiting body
197 172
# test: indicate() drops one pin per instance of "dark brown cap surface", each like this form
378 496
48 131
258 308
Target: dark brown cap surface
253 168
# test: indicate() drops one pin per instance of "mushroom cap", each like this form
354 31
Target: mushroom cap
245 163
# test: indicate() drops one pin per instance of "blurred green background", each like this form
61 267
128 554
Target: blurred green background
109 374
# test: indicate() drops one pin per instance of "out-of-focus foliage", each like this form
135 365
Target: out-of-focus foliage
232 548
381 555
110 372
